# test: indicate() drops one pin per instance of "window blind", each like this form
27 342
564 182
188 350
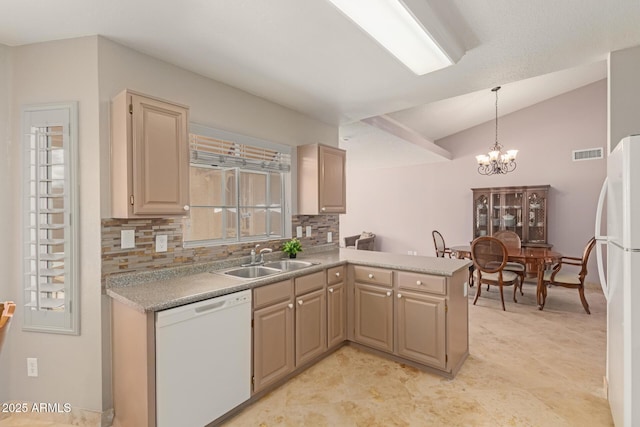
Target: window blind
206 150
49 235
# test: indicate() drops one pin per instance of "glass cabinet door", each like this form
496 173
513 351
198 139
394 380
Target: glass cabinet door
537 219
480 215
512 212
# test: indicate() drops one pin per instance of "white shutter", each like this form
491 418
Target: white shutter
50 264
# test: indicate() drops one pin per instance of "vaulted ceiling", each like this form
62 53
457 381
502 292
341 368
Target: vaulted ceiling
305 55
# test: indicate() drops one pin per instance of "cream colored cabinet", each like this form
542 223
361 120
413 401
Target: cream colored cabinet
421 328
336 307
373 307
273 333
311 317
149 157
311 326
321 180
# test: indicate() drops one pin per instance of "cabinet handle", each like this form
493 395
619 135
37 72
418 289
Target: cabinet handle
186 207
338 274
300 302
388 293
370 276
331 290
419 283
399 295
290 305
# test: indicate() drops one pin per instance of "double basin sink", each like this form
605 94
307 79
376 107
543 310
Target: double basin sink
268 268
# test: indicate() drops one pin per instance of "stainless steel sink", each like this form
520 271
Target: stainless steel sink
288 264
252 272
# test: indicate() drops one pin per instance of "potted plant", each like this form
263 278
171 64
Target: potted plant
292 247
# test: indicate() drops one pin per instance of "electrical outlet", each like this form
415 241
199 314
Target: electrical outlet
329 237
299 231
308 231
127 239
32 367
161 243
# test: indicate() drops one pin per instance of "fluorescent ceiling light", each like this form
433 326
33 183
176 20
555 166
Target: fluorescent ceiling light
392 25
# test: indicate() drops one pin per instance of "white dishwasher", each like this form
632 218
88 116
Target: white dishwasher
203 360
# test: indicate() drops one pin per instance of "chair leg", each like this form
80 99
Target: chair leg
515 292
585 304
477 293
502 297
521 282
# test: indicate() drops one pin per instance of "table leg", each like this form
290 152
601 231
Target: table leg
540 289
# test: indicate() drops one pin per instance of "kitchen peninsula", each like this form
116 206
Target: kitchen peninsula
411 309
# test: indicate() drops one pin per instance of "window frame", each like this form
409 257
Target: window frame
67 320
285 196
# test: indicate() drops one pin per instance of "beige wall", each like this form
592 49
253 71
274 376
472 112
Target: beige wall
403 205
624 94
69 366
6 215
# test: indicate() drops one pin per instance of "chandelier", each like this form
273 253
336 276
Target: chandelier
496 162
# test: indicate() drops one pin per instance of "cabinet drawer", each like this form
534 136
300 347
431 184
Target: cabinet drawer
373 275
270 294
422 282
335 275
310 282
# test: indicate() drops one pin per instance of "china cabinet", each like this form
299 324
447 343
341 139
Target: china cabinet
519 209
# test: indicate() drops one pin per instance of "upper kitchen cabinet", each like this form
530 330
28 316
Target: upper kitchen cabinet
519 209
149 157
321 180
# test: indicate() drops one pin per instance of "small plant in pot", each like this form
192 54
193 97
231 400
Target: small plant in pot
292 247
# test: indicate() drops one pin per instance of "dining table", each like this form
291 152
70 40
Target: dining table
540 257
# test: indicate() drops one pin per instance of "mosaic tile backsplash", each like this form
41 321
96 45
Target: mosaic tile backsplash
144 257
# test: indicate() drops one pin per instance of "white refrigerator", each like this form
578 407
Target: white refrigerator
622 285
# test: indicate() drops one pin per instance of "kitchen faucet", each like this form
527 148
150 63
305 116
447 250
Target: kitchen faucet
262 251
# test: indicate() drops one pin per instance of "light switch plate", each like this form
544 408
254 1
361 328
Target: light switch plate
32 367
308 231
329 237
161 243
299 231
127 239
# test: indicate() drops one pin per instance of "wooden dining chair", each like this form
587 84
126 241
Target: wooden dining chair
6 313
512 241
489 256
570 277
438 242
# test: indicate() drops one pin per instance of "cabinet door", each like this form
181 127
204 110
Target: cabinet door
311 326
374 316
336 314
421 328
160 157
482 218
332 180
273 351
536 220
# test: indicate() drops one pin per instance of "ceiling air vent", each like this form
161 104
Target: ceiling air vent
588 154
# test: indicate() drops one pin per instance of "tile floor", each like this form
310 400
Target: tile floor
526 368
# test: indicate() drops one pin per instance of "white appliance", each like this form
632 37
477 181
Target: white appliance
203 360
622 286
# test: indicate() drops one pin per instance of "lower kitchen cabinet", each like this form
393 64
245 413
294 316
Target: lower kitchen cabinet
336 315
311 326
373 312
336 306
273 334
421 328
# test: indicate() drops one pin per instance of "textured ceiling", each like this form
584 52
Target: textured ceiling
306 55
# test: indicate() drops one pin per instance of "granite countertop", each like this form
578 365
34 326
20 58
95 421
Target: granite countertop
166 288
